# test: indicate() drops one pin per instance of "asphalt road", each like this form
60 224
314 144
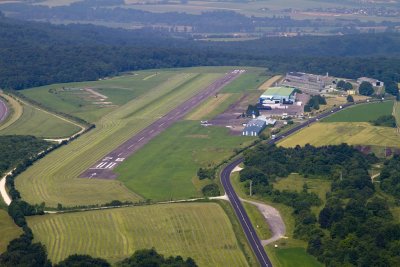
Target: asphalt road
3 110
104 168
244 220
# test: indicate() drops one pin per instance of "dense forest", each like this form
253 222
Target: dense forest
355 227
390 177
34 54
16 149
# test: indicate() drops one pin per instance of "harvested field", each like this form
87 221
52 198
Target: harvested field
208 107
353 133
198 230
270 82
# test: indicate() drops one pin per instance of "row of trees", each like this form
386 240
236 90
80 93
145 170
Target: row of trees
354 219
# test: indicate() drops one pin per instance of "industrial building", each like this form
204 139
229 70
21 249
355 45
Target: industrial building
278 95
309 83
254 127
374 82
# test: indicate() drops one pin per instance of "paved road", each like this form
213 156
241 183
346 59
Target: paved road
3 110
248 228
244 220
103 168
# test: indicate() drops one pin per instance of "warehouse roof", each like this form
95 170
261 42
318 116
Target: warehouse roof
279 91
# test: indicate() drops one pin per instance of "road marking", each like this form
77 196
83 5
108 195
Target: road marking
120 159
110 165
161 124
107 158
141 139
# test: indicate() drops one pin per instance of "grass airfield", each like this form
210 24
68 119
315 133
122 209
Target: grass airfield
59 170
198 230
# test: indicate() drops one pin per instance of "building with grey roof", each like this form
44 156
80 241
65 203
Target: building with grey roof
254 127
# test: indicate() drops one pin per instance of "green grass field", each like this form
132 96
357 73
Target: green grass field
166 167
59 170
39 123
251 80
8 230
295 182
292 257
352 133
258 221
198 230
362 113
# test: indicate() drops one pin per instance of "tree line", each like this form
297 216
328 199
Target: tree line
34 54
353 220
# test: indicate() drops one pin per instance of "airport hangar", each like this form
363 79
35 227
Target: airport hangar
278 95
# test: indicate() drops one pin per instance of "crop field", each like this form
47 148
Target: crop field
362 113
198 230
59 170
39 123
8 230
166 168
269 83
352 133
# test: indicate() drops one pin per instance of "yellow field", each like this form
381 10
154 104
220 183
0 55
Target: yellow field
8 230
270 82
353 133
198 230
207 107
54 180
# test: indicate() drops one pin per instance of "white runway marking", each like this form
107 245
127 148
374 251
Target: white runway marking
101 165
151 131
107 158
161 124
120 159
110 165
141 139
131 146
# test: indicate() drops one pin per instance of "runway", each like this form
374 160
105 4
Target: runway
103 169
3 110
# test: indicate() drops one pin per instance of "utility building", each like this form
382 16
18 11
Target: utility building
254 127
278 95
374 82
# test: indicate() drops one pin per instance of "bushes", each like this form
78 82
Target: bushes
314 103
204 173
211 190
385 121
